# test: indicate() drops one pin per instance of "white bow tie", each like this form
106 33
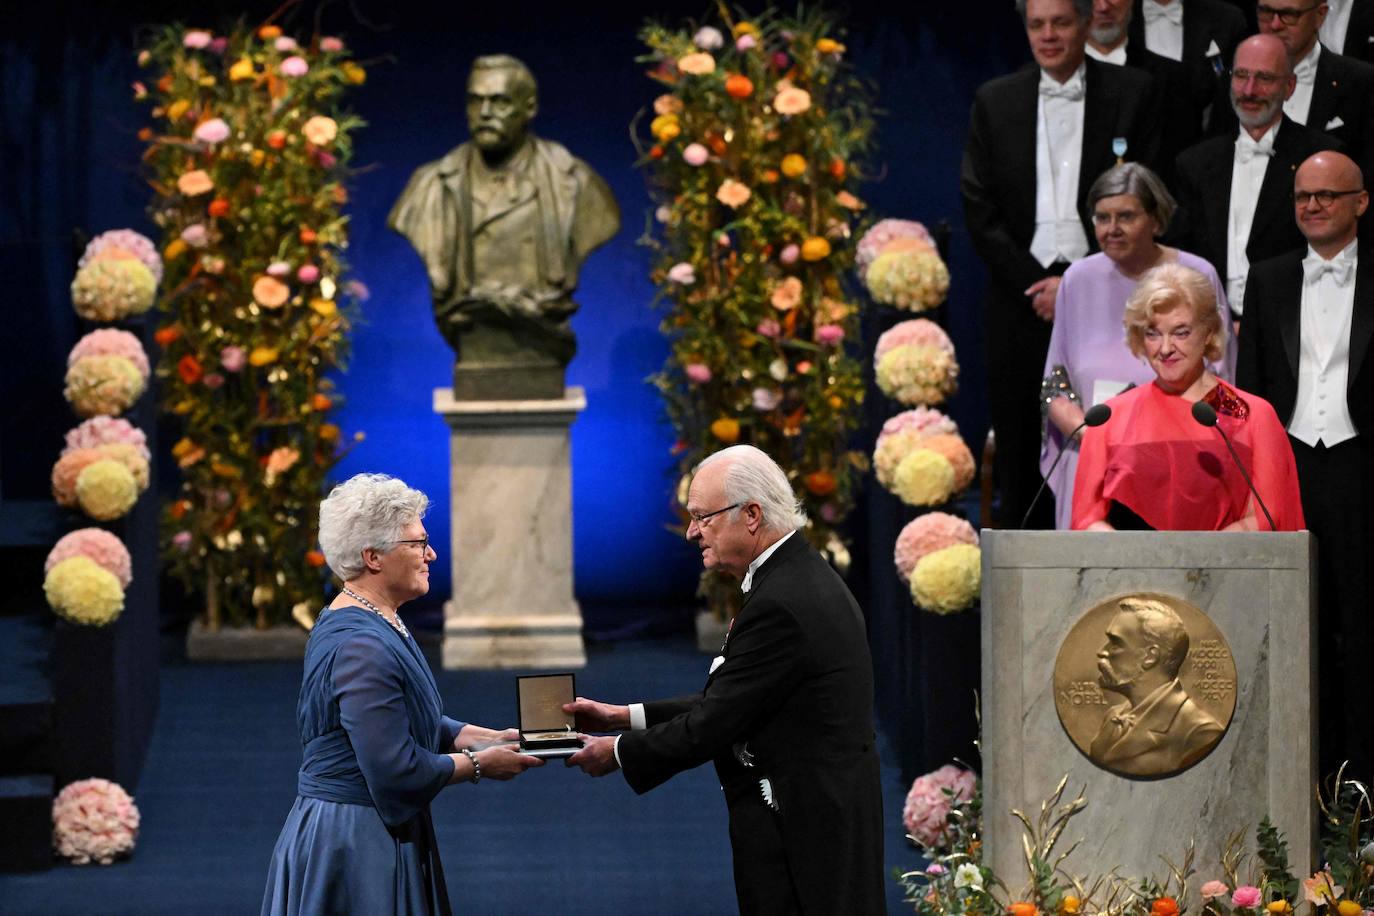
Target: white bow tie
1171 13
1072 90
1306 71
1247 148
1340 269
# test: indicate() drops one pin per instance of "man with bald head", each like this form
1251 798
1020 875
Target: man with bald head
1235 191
1309 320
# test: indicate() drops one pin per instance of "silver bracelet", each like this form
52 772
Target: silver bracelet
476 767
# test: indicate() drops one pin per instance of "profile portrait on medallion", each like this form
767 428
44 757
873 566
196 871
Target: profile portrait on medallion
1145 685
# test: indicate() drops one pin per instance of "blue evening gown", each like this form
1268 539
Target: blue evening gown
359 838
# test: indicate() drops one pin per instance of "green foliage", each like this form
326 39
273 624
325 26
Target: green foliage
754 242
1273 856
257 310
1347 814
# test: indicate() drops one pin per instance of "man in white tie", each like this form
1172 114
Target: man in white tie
1201 34
1349 28
1234 192
1309 320
1037 140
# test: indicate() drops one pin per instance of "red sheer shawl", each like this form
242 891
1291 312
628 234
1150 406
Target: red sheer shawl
1153 458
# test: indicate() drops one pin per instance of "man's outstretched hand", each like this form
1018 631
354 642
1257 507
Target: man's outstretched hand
597 757
598 717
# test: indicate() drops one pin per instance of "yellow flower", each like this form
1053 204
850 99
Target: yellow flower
948 580
745 28
791 101
241 70
1070 904
106 490
324 307
924 478
794 165
262 356
665 127
80 590
195 183
354 73
1349 908
177 109
733 194
320 130
175 249
207 81
725 429
697 64
815 248
831 46
1279 907
257 158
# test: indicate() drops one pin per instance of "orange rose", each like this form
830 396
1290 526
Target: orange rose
739 86
821 483
656 152
195 183
1022 909
794 165
815 248
308 235
329 432
733 194
770 176
269 32
218 207
269 292
725 429
189 368
837 169
320 402
1164 906
276 139
166 334
314 558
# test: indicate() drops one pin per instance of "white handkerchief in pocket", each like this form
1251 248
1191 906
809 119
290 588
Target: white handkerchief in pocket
1212 49
715 663
1334 123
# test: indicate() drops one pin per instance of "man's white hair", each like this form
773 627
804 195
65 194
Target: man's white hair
752 477
367 510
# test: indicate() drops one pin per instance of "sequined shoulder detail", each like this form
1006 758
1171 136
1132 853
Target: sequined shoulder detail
1224 400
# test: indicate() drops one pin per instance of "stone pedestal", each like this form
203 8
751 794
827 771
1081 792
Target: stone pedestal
1256 589
510 493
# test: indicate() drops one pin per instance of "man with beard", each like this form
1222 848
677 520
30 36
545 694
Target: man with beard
1182 121
1201 35
1236 192
1158 729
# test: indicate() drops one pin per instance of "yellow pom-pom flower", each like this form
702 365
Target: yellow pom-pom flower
106 385
113 288
909 278
948 580
82 591
917 374
106 490
924 478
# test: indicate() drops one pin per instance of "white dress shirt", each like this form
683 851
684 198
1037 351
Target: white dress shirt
1299 104
1164 28
1321 413
1059 234
1336 24
1116 55
1248 165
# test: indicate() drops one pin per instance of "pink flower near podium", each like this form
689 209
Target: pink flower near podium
931 799
94 820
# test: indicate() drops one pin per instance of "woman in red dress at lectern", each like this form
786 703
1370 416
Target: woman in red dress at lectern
1160 462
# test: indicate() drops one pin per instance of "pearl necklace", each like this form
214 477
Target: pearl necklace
399 626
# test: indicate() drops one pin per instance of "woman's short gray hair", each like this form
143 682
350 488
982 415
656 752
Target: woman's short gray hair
365 511
1142 184
752 477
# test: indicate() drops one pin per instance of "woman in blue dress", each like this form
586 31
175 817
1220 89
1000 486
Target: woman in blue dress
377 747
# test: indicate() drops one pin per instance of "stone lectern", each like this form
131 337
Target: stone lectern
1170 675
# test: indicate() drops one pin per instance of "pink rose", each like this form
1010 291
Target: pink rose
307 273
182 541
195 235
926 813
233 359
698 373
196 39
768 328
695 154
789 254
935 868
285 43
766 399
1246 896
331 44
278 269
733 194
1214 889
294 65
828 335
746 42
683 273
212 131
804 366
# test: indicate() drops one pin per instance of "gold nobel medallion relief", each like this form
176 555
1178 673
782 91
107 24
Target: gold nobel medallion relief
1145 685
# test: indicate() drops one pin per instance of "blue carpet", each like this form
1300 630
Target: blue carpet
221 775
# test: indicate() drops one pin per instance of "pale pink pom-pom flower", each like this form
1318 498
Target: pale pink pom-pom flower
94 820
921 332
124 241
103 430
926 813
883 232
927 421
97 545
927 534
110 342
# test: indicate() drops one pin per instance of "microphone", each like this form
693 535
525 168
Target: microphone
1095 416
1205 415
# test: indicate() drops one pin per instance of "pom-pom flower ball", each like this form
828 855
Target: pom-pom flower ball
68 469
917 374
926 812
111 342
96 544
924 478
111 289
926 534
948 580
94 820
80 590
954 450
103 385
101 430
120 244
106 490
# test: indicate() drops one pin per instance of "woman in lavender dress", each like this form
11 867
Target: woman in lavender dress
1088 360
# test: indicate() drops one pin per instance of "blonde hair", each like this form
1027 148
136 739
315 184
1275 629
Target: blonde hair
1163 288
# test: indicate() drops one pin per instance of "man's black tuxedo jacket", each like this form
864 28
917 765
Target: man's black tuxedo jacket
1205 23
1271 341
1359 35
997 179
1204 195
795 691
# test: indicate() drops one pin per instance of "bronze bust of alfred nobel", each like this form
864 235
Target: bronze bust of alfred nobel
502 224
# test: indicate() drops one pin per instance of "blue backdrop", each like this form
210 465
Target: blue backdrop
69 162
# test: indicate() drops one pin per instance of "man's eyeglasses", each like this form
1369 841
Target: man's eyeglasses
1287 17
1262 77
1324 198
422 542
701 520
